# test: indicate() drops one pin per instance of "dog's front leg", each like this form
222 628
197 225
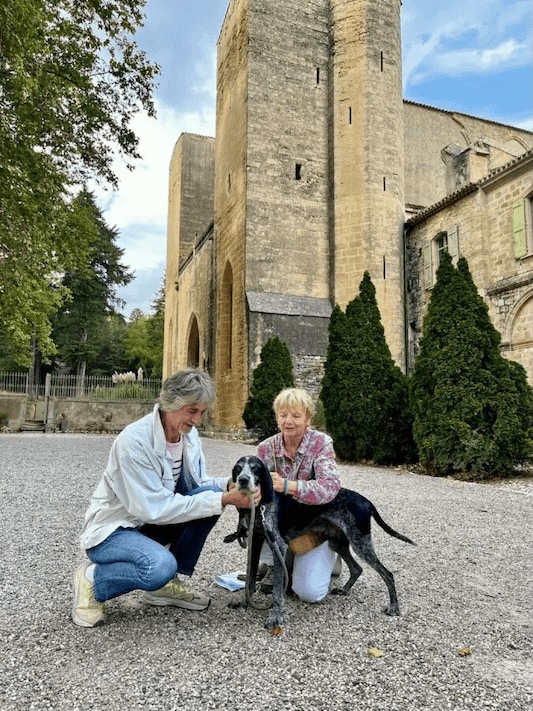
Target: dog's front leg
274 622
251 571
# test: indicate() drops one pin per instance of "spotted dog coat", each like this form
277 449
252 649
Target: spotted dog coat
343 522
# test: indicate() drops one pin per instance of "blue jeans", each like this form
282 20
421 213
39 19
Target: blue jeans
137 559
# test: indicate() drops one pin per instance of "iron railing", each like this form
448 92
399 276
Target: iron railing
73 386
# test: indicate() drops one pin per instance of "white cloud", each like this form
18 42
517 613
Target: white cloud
142 195
138 209
469 61
464 37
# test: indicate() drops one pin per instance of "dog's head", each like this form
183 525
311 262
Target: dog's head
249 473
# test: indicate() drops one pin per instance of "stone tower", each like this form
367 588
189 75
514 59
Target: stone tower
367 157
308 177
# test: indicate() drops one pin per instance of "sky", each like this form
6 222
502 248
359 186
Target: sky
470 56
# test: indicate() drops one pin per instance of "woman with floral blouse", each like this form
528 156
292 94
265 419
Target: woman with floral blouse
303 467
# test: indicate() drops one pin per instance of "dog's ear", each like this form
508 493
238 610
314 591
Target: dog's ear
237 469
265 482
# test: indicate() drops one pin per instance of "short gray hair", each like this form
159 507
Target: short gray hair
185 387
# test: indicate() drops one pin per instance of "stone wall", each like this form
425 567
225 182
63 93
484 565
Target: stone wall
482 215
287 233
75 414
428 130
366 111
308 373
195 308
15 407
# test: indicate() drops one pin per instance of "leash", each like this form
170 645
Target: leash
275 549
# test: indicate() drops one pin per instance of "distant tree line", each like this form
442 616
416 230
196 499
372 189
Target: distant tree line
89 333
465 409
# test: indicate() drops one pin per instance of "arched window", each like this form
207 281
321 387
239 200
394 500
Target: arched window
193 344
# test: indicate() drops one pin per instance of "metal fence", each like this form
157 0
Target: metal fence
73 386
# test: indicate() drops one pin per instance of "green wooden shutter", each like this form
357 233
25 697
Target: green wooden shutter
428 265
519 228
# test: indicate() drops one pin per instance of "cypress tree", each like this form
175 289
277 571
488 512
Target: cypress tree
365 394
473 408
273 374
335 390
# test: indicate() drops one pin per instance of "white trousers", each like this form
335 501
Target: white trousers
311 573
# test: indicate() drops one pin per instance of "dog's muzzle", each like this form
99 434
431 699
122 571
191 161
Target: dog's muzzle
246 483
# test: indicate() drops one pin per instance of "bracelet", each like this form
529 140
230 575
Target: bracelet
286 486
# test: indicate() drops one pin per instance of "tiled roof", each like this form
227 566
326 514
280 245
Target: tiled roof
468 188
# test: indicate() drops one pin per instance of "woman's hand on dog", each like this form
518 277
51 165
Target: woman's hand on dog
242 501
278 482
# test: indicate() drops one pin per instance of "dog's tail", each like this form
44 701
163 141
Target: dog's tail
385 526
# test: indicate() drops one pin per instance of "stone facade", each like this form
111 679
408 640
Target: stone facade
190 212
316 164
480 218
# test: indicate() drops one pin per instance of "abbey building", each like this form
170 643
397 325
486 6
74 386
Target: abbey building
319 170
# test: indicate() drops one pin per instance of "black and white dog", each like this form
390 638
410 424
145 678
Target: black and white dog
344 522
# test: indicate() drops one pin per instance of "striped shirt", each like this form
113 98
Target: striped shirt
175 449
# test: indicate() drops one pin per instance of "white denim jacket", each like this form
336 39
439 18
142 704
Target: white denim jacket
137 486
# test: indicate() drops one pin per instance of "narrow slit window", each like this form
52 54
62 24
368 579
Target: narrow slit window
350 115
384 267
384 183
318 75
381 60
298 171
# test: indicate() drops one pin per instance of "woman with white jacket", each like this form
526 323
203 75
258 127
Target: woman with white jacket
151 513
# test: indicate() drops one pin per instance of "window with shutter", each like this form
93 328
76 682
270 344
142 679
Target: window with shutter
519 228
427 256
431 253
453 243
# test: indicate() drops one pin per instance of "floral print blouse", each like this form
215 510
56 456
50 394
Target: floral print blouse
313 465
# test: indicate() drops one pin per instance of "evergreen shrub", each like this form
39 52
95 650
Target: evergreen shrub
473 408
364 393
273 374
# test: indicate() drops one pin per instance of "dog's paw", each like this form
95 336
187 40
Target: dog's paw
339 591
392 611
274 624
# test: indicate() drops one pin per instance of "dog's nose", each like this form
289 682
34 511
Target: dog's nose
243 480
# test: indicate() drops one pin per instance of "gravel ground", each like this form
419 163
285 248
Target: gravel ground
463 640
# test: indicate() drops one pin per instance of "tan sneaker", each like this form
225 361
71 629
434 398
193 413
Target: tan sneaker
86 611
177 594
